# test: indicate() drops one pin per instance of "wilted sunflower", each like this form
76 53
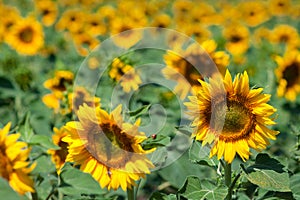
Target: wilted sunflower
237 37
58 157
107 148
244 111
48 11
14 165
27 36
288 74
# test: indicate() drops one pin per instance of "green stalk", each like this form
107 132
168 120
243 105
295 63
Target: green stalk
227 171
130 193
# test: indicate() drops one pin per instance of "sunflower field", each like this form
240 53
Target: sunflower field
159 100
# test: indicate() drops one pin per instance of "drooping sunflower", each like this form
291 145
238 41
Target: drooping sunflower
231 116
58 157
48 11
237 37
107 147
288 74
253 13
14 164
27 36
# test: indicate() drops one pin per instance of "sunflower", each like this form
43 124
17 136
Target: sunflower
285 34
253 13
179 69
161 21
107 148
94 24
58 85
237 37
72 20
80 96
125 35
48 10
288 74
58 157
9 16
85 43
14 165
27 36
279 7
245 115
126 74
199 33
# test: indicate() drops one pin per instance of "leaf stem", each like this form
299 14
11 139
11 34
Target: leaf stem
227 171
130 193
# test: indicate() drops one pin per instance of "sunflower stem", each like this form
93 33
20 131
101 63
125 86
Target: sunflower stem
227 171
130 193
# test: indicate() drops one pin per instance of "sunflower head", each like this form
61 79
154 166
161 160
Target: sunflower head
288 74
107 147
14 165
231 116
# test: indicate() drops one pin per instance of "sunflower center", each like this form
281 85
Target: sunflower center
291 74
235 38
236 119
5 167
110 145
284 38
26 35
63 151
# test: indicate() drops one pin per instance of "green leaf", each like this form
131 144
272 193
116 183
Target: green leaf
268 173
7 192
139 111
295 185
25 129
155 141
269 179
43 141
161 196
264 161
193 188
200 155
75 182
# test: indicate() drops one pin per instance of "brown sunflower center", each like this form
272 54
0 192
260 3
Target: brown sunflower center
235 38
5 166
110 145
236 119
26 35
284 38
291 74
63 151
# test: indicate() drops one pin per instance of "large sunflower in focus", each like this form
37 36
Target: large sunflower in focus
14 165
231 116
107 148
26 36
288 74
